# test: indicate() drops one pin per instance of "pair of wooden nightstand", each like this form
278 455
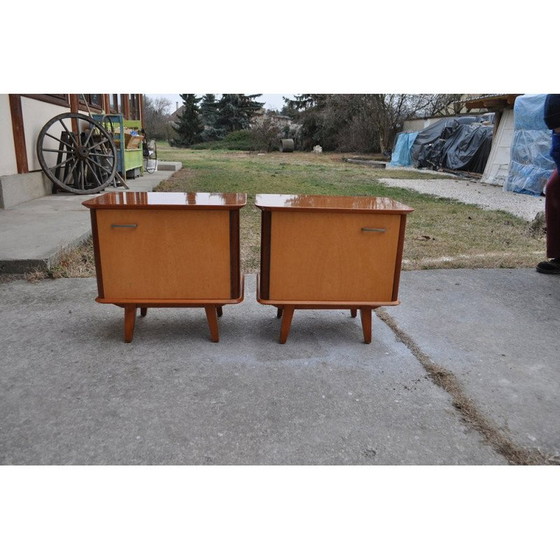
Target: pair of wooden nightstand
182 250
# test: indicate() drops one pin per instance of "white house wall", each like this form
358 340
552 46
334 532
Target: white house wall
8 164
416 125
497 166
35 115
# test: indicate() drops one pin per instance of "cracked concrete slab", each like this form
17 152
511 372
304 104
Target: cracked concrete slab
497 331
73 393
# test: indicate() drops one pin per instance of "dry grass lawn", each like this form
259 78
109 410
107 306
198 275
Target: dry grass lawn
441 233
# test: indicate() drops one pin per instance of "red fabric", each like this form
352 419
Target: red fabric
552 214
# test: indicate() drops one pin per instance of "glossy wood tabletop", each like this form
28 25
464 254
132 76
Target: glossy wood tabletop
157 200
323 203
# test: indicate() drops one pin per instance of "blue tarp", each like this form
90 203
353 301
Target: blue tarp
401 152
530 162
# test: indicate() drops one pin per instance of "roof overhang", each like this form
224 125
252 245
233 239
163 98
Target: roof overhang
493 102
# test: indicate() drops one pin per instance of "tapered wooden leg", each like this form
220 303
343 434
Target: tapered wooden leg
353 313
143 311
212 318
279 313
129 321
286 323
220 310
365 316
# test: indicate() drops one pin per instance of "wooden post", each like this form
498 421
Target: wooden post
18 133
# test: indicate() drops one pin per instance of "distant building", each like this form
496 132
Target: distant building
275 119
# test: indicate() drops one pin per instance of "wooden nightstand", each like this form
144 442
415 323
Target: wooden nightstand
330 252
167 250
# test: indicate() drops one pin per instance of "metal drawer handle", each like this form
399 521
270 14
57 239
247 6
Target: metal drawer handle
382 230
124 225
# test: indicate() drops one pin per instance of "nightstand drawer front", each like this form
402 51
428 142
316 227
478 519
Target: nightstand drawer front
336 256
166 254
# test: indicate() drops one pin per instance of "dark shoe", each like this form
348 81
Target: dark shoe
549 267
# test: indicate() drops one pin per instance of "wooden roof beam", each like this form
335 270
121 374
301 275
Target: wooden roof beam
497 102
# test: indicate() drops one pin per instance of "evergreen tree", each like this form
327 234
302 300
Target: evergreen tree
209 109
209 114
189 124
235 111
308 110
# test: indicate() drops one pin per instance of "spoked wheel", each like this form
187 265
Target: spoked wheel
77 154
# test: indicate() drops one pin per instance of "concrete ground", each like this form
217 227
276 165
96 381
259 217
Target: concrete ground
463 372
72 392
33 233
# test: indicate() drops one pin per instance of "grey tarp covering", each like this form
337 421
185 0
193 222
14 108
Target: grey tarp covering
468 148
457 143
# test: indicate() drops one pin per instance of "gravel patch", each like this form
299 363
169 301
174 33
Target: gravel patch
489 197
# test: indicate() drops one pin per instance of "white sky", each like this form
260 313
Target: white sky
311 47
272 101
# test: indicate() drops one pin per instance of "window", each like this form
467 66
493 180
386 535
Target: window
114 103
93 100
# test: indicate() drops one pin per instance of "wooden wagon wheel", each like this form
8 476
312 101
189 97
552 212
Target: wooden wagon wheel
77 154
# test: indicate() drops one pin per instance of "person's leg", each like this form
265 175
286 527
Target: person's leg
552 189
552 216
